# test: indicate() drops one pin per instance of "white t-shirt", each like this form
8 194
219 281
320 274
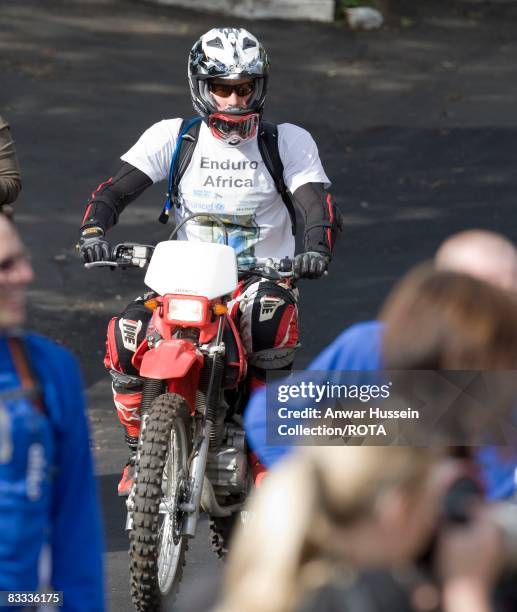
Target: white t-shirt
232 183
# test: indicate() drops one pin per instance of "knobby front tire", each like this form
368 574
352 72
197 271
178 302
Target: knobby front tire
157 548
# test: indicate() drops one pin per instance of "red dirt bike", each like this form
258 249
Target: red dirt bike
192 452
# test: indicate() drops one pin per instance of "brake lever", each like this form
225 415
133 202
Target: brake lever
267 272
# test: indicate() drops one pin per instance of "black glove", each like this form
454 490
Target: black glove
93 246
309 265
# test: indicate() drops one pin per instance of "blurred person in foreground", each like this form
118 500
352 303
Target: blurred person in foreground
345 528
479 253
49 516
10 182
338 529
445 320
326 512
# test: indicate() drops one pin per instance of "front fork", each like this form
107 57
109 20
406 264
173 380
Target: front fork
197 476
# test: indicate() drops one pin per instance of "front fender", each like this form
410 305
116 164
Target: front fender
170 359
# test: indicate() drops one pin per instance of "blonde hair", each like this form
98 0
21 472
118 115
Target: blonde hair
293 542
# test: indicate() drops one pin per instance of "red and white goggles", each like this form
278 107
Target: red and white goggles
233 129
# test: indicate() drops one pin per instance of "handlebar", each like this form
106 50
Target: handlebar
271 268
132 255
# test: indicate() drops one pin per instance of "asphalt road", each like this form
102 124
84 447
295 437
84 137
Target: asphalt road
416 126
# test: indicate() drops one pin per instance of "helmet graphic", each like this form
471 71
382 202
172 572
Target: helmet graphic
230 54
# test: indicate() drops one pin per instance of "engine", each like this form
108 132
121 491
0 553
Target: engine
227 468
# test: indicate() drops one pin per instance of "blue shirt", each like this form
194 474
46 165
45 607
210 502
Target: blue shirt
47 486
359 348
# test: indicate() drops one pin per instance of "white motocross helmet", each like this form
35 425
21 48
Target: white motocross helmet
229 54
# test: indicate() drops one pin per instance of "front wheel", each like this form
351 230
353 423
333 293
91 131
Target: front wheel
157 546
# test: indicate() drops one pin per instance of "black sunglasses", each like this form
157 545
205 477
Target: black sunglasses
225 91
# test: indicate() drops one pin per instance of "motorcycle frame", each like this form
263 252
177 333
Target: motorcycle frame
178 362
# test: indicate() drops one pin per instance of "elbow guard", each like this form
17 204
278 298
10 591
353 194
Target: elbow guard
113 195
321 217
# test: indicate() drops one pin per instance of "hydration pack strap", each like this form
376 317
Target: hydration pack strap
268 146
181 157
30 387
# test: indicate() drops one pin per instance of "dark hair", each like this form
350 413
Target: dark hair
447 320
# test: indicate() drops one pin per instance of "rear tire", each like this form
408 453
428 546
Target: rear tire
157 548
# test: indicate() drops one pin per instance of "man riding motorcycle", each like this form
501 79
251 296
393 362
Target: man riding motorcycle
228 176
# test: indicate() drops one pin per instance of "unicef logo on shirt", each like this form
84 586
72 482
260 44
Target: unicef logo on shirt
209 206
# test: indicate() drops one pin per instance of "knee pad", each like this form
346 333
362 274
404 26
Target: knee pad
125 383
125 333
269 324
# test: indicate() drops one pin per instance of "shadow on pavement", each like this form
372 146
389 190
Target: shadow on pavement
114 513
